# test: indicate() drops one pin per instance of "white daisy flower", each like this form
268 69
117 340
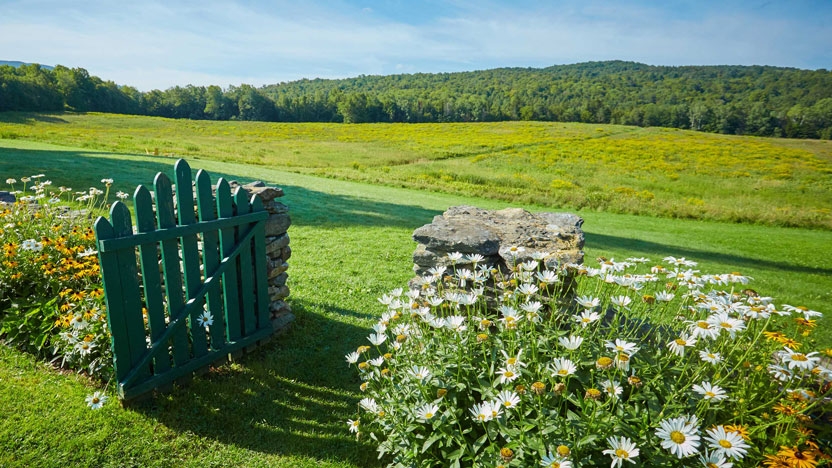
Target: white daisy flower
621 301
621 449
678 345
678 436
562 367
96 400
793 359
709 357
714 460
702 329
571 342
622 346
369 404
555 461
548 277
352 357
527 289
481 412
377 338
455 256
508 374
663 296
508 399
729 444
725 322
807 313
587 317
205 319
588 302
455 323
426 412
710 392
420 372
612 388
353 425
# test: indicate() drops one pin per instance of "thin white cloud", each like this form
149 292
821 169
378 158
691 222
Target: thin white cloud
158 45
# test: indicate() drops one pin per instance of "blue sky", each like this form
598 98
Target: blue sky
163 43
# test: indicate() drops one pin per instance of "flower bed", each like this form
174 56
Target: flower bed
51 297
661 366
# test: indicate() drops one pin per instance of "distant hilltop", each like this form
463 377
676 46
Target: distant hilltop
16 64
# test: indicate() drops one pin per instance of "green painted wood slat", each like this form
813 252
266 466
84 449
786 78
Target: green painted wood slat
207 209
190 252
263 313
230 289
149 260
247 292
112 293
166 219
130 297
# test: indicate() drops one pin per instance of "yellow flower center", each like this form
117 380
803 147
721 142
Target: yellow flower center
725 444
428 415
621 453
681 342
710 394
677 437
712 465
604 361
512 361
563 372
509 374
799 357
554 465
95 400
726 325
703 324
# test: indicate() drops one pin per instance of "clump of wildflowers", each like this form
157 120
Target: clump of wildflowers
660 365
51 297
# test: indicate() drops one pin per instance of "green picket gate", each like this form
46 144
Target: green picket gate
159 268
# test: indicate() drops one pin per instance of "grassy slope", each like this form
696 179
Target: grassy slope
652 171
286 405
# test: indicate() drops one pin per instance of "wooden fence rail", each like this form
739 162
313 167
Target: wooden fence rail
171 310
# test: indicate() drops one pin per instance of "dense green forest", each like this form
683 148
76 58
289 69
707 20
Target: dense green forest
750 100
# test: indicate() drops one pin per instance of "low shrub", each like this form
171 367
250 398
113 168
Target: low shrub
661 366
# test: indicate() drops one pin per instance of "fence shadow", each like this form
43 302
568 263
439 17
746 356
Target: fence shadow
289 398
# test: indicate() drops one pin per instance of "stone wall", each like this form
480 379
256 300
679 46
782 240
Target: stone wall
278 250
492 234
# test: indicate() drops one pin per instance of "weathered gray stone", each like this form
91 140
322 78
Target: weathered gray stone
275 243
471 230
265 194
275 207
278 280
277 224
287 253
281 322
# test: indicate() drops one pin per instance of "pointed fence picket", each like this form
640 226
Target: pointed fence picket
158 286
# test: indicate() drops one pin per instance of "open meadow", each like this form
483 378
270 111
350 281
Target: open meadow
642 193
612 168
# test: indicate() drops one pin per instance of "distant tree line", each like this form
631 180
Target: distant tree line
748 100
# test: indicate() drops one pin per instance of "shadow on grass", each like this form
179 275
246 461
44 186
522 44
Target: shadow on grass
291 397
654 248
308 207
29 117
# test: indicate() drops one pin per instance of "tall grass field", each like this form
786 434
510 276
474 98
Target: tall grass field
356 193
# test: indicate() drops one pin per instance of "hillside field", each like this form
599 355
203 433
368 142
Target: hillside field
287 404
619 169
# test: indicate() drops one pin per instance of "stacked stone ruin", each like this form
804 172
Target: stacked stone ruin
278 250
492 234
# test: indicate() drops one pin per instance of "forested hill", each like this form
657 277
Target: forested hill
754 100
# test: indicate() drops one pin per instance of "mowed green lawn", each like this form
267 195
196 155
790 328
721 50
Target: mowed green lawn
286 404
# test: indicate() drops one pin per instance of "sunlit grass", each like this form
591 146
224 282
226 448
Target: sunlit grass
650 171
